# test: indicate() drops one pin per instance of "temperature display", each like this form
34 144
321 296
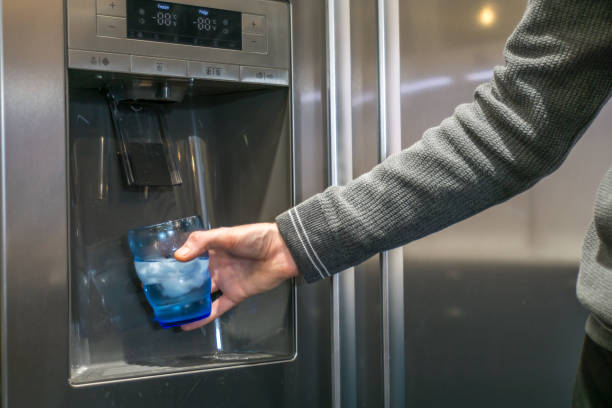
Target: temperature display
165 19
183 24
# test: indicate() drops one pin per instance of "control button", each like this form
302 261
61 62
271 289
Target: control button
112 27
111 7
255 43
221 72
98 61
159 66
269 76
252 24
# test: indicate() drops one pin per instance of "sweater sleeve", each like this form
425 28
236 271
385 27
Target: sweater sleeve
519 128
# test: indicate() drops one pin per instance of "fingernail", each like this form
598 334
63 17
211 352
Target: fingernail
182 251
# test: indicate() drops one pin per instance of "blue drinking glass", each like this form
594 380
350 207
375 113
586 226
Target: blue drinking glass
179 292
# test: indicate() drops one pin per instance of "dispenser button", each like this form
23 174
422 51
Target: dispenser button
253 24
255 43
98 61
264 76
159 66
112 27
207 70
111 7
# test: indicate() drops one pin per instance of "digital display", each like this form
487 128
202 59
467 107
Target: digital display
183 24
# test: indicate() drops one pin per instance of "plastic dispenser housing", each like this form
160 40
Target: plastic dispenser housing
144 150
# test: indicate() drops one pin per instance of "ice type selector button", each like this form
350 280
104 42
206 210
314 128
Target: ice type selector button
98 61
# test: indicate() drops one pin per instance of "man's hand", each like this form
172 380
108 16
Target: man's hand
244 261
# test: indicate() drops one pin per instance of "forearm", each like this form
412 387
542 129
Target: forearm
519 128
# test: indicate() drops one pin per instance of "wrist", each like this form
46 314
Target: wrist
286 263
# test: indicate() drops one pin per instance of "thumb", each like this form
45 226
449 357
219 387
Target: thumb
198 243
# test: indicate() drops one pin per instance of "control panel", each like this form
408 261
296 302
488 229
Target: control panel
227 40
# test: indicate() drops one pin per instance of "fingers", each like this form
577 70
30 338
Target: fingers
246 241
219 307
198 243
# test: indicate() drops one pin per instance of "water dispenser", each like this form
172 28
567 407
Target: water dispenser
175 110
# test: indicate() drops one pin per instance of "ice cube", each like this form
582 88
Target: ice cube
175 278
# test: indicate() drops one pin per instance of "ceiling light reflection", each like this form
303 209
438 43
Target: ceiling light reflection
425 84
487 16
310 97
364 98
480 76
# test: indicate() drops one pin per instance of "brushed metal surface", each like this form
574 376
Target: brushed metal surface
35 321
394 338
34 274
313 366
344 380
392 274
490 304
446 53
82 35
443 59
365 123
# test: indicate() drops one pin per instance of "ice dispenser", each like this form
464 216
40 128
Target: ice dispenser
175 110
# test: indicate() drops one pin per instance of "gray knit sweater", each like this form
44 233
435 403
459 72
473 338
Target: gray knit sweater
519 128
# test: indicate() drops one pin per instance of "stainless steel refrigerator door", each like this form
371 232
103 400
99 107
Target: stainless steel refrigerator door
491 313
35 365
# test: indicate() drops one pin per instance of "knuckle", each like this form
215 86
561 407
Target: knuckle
226 237
196 238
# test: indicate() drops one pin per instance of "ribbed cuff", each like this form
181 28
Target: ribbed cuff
303 243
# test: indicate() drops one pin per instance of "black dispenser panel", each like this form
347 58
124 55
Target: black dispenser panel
146 152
